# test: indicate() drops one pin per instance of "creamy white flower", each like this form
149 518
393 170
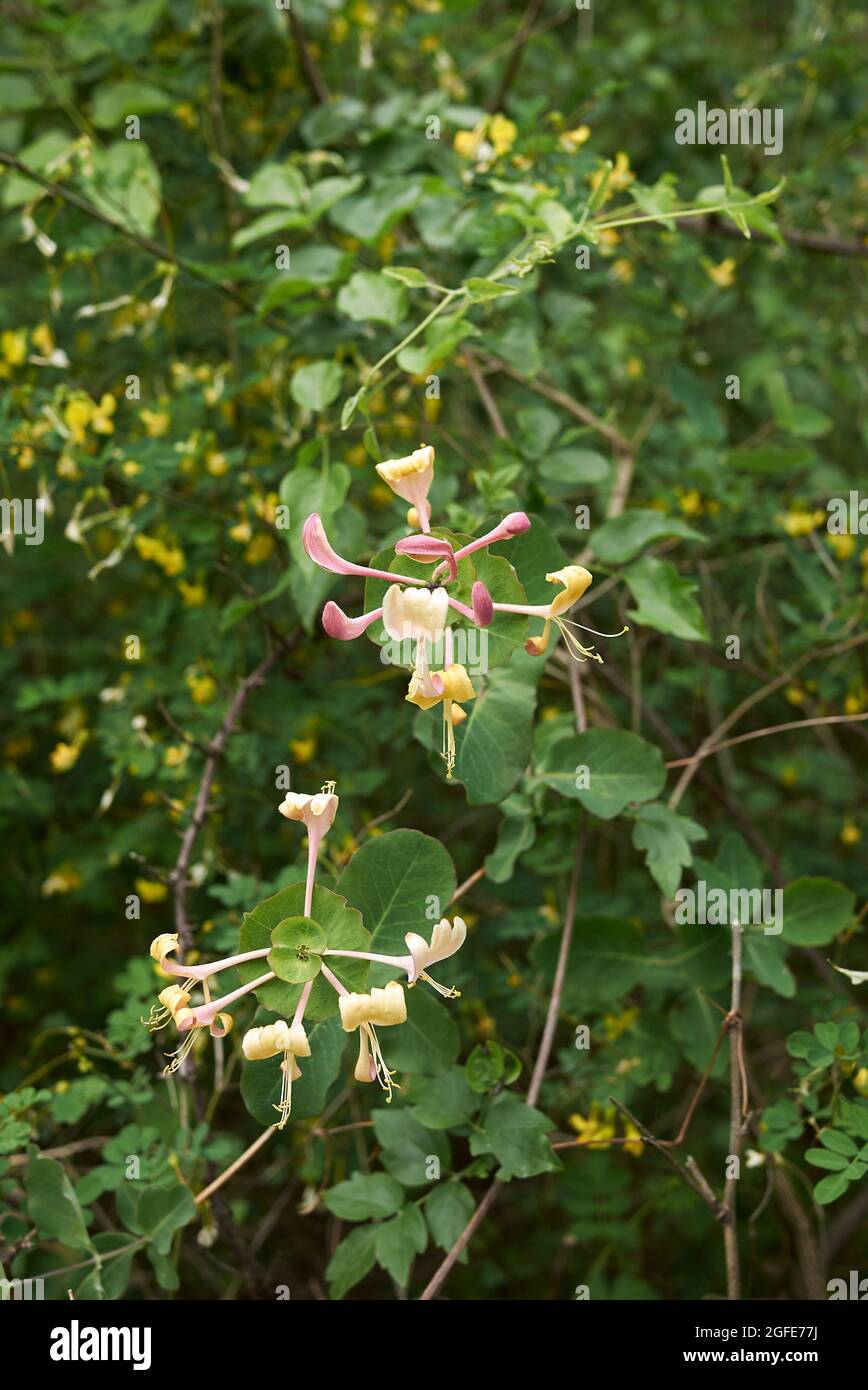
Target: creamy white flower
415 613
272 1038
317 811
411 477
445 940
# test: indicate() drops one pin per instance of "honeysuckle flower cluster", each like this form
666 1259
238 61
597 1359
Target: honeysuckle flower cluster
359 1012
418 609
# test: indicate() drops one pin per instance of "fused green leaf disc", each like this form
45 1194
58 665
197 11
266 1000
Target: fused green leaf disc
297 944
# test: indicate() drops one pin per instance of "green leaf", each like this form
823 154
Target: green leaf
261 1081
369 296
344 931
296 950
664 600
428 1041
625 536
400 882
569 468
408 1146
607 958
666 838
353 1259
815 911
604 769
822 1158
829 1189
517 833
484 1066
399 1241
407 275
316 385
276 185
52 1204
161 1211
516 1134
445 1101
688 390
495 741
479 289
364 1195
448 1210
839 1143
114 101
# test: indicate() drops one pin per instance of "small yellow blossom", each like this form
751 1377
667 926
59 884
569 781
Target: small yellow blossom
77 415
860 1081
194 595
597 1129
156 422
502 133
572 140
467 142
176 754
723 275
850 833
634 1145
260 549
64 879
151 892
800 522
690 502
202 688
843 546
102 422
303 749
217 464
43 340
13 346
794 695
623 270
64 756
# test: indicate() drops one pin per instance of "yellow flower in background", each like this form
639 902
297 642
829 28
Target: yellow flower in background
169 557
690 502
217 464
64 756
260 549
64 879
77 415
156 422
194 595
800 522
13 346
616 1024
186 114
25 458
635 368
202 688
860 1081
794 695
502 133
151 892
43 340
572 140
850 833
843 546
303 749
622 175
176 754
634 1145
723 275
102 422
597 1129
623 270
467 142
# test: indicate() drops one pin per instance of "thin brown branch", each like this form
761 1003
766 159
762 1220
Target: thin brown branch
313 76
180 873
513 62
485 395
566 402
765 733
737 1110
468 883
229 1172
824 242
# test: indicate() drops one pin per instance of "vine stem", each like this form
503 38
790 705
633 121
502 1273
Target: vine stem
233 1167
737 1104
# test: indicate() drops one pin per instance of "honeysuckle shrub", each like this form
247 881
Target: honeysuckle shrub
236 315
